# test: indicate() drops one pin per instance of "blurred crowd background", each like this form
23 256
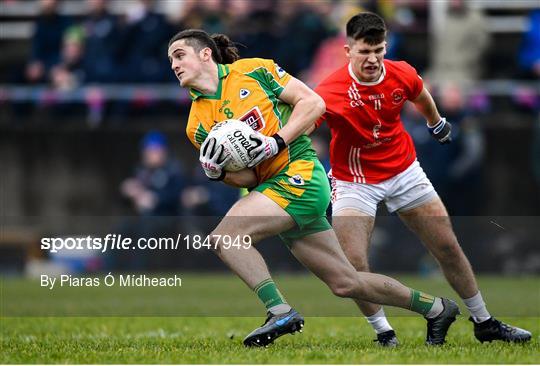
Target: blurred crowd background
92 119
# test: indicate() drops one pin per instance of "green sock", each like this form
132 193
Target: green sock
269 293
421 302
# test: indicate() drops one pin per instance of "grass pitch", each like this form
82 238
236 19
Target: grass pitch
218 339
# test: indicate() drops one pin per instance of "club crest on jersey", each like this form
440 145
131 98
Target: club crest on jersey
254 119
244 93
297 180
376 129
397 96
280 71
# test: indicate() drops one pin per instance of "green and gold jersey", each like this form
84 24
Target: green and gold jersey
248 90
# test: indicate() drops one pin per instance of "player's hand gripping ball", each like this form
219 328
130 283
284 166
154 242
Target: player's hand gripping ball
233 135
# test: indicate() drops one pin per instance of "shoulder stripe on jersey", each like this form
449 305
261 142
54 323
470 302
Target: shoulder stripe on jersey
263 83
261 73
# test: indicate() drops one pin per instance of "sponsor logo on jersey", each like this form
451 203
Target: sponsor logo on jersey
254 119
280 71
244 93
376 143
397 96
297 180
376 96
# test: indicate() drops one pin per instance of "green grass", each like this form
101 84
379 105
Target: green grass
217 339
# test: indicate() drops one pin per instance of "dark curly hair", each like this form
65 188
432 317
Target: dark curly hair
223 49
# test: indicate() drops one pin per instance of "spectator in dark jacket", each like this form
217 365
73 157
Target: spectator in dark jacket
46 41
158 182
144 38
101 39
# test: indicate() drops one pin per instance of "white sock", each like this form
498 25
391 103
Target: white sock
280 309
477 308
436 308
379 322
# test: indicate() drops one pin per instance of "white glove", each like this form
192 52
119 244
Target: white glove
213 160
266 148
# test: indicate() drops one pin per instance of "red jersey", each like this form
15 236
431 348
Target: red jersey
369 143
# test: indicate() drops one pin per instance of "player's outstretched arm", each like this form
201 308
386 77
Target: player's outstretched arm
244 178
437 126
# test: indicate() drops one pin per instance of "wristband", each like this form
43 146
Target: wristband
435 129
280 142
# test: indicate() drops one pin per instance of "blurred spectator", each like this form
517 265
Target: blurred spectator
69 72
156 188
456 51
455 169
144 37
529 55
252 24
464 173
101 37
211 15
46 41
203 198
155 192
301 27
330 55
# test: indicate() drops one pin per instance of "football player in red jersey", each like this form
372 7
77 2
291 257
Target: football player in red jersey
373 159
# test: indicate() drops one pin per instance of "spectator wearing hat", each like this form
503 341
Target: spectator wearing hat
155 188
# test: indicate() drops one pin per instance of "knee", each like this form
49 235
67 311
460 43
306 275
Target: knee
345 287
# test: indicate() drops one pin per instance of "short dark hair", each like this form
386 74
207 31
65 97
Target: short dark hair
367 26
223 49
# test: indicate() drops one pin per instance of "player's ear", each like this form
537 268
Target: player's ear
347 49
205 54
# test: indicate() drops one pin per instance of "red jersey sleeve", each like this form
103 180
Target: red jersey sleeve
413 81
322 90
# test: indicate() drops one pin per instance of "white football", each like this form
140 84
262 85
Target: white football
234 136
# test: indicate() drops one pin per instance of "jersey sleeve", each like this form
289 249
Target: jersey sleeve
195 130
267 72
277 77
415 84
322 89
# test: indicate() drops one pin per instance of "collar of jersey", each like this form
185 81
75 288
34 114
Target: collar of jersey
368 83
223 71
